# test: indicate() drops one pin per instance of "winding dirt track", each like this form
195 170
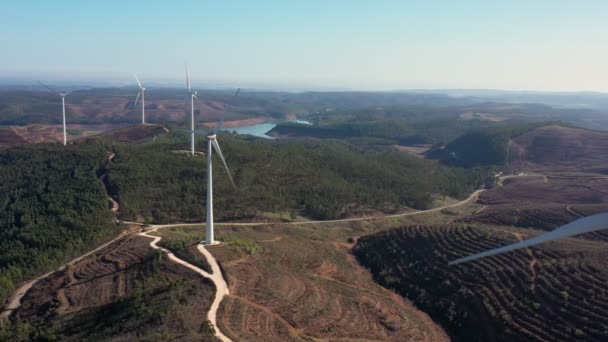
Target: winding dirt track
216 277
471 197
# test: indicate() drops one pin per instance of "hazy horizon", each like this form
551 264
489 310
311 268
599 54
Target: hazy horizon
379 46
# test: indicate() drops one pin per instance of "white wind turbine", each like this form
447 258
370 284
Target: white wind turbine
213 145
63 95
141 93
193 95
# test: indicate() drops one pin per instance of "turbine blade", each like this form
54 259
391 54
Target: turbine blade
137 79
237 92
49 88
583 225
136 99
187 77
217 149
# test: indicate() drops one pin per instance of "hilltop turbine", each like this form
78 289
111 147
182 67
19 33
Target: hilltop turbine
63 95
193 95
211 145
141 93
583 225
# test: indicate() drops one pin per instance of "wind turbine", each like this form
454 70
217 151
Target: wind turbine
211 145
141 93
63 95
193 95
583 225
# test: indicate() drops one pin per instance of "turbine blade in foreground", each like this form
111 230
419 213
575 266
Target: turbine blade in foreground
583 225
49 88
217 149
137 79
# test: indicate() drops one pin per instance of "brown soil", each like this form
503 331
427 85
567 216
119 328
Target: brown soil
134 134
54 133
298 288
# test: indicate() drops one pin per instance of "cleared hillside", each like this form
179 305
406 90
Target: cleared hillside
301 284
553 148
135 134
126 291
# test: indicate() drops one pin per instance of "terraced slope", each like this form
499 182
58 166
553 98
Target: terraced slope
125 291
561 148
555 293
544 202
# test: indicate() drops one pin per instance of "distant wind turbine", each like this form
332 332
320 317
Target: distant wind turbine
141 93
583 225
63 95
193 95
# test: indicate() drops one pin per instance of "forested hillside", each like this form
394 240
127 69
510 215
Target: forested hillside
487 146
317 179
53 208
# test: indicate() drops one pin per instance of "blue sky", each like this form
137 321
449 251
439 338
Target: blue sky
355 44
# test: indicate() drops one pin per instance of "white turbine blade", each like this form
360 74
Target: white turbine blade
137 79
583 225
49 88
217 149
136 99
187 77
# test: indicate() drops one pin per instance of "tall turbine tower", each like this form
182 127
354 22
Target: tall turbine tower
192 97
213 145
63 95
143 99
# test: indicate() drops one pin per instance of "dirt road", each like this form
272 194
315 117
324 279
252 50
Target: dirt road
216 277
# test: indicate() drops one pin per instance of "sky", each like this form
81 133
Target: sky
313 44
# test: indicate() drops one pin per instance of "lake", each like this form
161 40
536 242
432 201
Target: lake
260 130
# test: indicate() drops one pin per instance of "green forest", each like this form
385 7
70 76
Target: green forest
53 208
482 147
318 179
